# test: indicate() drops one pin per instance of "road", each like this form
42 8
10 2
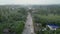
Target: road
28 29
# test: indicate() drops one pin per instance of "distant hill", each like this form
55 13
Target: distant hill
45 6
12 6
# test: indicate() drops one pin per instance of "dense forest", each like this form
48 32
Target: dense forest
48 14
12 19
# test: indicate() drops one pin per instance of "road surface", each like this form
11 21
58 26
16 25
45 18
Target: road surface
28 29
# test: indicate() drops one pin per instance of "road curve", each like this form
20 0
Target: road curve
28 29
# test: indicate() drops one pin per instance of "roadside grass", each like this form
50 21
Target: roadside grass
46 19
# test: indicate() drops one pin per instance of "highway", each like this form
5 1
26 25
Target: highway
28 29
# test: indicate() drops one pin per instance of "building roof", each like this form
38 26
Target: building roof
53 26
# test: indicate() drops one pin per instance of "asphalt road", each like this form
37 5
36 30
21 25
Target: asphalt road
28 29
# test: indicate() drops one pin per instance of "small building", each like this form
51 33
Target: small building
52 26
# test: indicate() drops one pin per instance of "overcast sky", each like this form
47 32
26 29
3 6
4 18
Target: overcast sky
2 2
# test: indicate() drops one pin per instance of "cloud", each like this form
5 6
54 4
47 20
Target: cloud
29 1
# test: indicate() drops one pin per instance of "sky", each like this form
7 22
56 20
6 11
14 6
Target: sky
26 2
